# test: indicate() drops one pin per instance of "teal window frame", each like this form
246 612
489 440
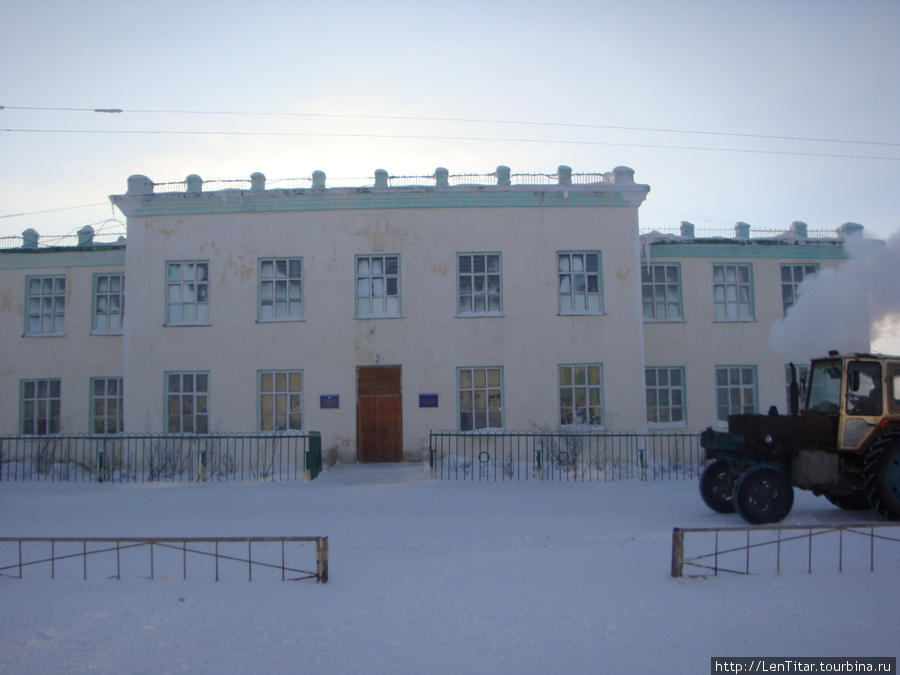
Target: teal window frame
279 400
45 305
661 292
665 392
108 304
580 394
733 296
792 275
187 293
107 405
280 290
187 402
480 398
377 286
737 391
579 283
41 406
479 284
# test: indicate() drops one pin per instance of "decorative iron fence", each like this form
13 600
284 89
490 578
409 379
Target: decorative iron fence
139 458
789 547
561 456
68 556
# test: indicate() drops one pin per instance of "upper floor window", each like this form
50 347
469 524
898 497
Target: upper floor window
45 305
479 284
41 401
280 289
733 292
480 398
735 392
661 292
580 389
579 283
109 303
377 286
188 293
281 401
791 278
665 396
187 399
106 405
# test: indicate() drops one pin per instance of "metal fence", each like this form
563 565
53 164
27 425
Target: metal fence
561 456
139 458
751 550
68 556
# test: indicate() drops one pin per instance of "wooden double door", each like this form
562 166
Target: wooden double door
379 414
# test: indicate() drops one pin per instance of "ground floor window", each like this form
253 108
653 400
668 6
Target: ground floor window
281 401
187 403
106 405
580 388
665 396
41 406
480 398
735 391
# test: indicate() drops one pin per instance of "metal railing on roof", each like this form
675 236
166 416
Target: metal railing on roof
63 240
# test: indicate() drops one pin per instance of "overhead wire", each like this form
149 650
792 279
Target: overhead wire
409 118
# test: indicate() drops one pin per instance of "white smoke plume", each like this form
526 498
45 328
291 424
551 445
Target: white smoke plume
838 308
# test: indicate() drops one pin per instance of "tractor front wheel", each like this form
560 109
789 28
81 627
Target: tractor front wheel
763 495
882 476
717 486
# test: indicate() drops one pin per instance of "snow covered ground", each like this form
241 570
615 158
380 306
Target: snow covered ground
428 576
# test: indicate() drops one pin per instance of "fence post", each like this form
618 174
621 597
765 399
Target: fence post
313 456
677 552
322 560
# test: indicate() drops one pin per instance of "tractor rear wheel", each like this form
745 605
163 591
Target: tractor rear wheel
717 486
881 474
763 494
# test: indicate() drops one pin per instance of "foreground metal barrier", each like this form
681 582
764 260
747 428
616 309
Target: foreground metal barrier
19 553
564 456
728 549
139 458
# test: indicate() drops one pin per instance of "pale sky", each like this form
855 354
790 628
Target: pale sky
742 73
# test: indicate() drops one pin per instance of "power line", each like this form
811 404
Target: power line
406 118
441 138
66 208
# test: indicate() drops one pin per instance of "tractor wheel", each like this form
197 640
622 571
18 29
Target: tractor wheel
717 486
763 494
882 476
858 501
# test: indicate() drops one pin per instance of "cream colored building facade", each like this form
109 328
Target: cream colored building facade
377 314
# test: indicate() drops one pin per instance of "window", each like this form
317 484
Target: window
802 385
280 289
187 399
480 398
106 405
580 394
735 391
109 303
580 290
661 292
45 304
281 401
791 278
479 284
733 292
40 407
377 286
188 293
665 396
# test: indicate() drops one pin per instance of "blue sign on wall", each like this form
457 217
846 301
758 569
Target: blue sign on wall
330 401
428 400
